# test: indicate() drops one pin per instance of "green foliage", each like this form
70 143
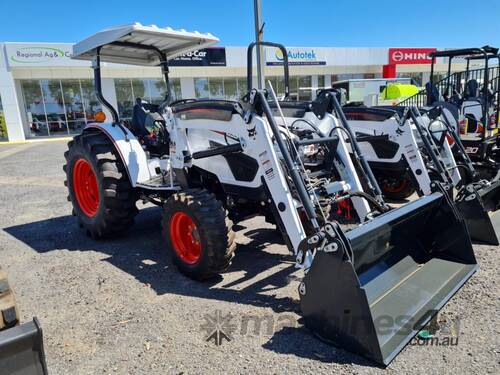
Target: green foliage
3 127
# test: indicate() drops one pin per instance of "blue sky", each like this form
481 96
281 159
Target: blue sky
404 23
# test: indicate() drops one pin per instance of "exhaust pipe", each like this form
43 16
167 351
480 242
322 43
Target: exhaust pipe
389 278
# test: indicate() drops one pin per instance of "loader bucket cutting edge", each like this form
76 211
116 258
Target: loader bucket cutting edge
482 214
406 264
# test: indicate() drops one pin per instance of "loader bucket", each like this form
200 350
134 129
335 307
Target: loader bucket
394 273
482 215
21 350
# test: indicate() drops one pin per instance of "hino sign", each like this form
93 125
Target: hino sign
410 55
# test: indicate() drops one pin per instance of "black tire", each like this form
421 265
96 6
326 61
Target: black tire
213 231
9 313
397 188
116 207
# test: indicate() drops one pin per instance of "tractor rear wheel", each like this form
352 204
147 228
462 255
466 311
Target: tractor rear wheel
9 314
99 188
198 233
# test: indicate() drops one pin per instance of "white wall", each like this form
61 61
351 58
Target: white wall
10 101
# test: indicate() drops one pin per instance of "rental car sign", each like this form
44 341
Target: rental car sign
410 55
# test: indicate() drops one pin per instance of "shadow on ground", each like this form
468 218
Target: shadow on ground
142 254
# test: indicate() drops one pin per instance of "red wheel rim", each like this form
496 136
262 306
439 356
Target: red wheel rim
185 237
395 187
85 187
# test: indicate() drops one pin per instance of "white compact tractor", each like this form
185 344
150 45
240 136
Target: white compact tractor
409 149
210 162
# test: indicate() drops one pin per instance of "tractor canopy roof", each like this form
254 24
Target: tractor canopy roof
141 45
464 52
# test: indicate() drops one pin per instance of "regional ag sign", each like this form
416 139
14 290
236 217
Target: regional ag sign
410 55
38 54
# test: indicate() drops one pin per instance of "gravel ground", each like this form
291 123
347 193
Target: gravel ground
120 306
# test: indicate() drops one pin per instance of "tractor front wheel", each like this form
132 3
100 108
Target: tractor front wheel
198 233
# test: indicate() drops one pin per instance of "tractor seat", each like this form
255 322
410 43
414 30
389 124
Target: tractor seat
295 109
140 114
432 93
206 109
471 89
149 128
369 113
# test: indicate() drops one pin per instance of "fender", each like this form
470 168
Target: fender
131 153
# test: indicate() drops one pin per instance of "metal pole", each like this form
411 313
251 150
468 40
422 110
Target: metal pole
431 82
259 34
98 87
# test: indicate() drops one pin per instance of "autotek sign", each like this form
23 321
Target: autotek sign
213 56
296 56
410 55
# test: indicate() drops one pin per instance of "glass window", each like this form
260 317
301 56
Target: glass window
54 107
90 103
151 90
157 89
175 88
321 82
201 88
293 88
280 82
220 88
124 98
231 89
274 83
216 87
73 102
242 86
305 87
59 107
140 89
35 110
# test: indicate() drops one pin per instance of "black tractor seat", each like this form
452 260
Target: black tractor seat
295 109
149 128
368 113
206 109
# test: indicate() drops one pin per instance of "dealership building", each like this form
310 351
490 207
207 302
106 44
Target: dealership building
45 93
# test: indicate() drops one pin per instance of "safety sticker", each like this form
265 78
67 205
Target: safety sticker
269 173
266 165
411 153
